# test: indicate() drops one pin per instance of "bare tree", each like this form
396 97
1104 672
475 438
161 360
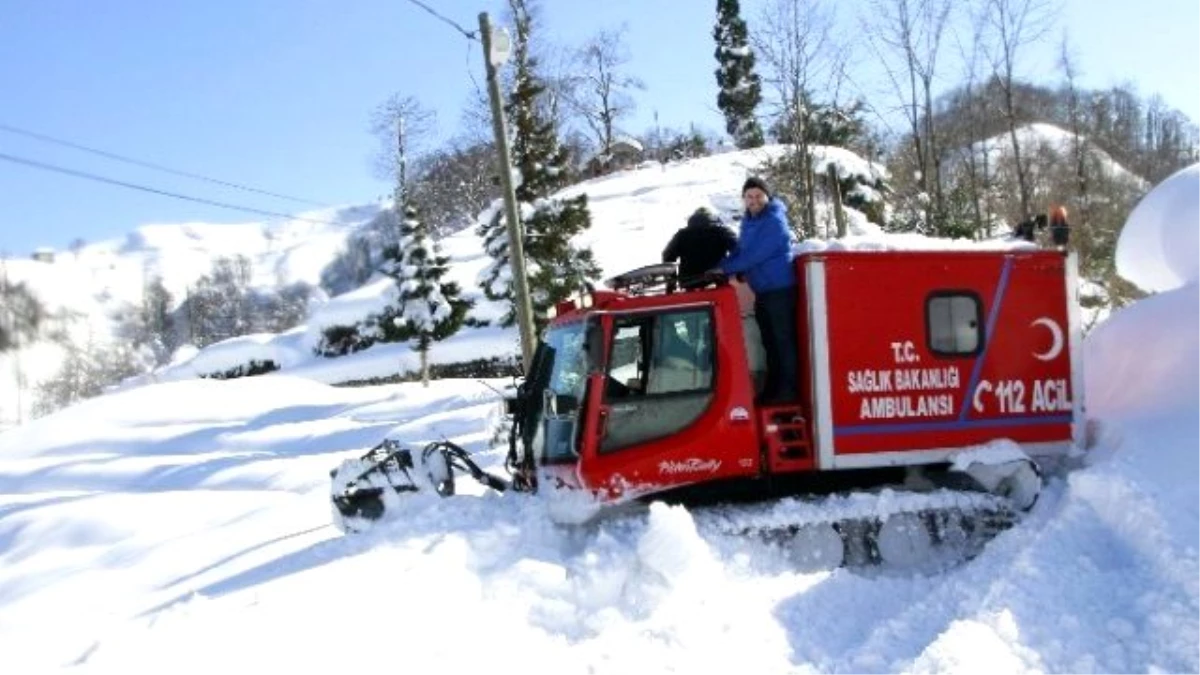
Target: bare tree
601 92
404 128
1017 24
909 32
1079 149
454 183
475 117
976 155
797 47
559 67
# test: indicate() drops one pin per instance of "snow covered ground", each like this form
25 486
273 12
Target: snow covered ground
185 527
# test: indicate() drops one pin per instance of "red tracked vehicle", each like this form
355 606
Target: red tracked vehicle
934 373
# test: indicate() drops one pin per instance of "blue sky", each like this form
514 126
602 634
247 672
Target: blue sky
278 95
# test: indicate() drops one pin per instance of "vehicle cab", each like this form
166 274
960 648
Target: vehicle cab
639 393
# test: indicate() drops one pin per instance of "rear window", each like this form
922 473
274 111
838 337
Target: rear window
954 323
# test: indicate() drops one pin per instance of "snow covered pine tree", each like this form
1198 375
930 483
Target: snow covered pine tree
556 267
741 88
431 309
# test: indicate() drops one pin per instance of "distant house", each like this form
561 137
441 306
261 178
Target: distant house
43 255
625 153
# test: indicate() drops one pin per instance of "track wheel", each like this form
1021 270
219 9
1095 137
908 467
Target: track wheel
816 547
904 541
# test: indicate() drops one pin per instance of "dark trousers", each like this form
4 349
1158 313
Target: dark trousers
775 312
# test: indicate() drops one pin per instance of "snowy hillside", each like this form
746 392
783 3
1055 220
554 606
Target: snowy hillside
643 206
105 278
1043 137
634 214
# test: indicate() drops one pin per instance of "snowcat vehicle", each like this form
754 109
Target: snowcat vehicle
938 379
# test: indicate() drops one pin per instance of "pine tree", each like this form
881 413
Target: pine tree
741 88
556 268
431 308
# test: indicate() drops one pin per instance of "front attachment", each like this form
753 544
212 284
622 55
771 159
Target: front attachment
363 490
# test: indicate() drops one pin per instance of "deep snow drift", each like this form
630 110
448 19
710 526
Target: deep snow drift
1159 247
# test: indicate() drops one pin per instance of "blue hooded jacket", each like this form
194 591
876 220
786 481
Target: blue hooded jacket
764 250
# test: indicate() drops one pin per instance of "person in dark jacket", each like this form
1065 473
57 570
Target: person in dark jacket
699 247
764 256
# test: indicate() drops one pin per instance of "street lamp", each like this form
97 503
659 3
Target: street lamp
500 48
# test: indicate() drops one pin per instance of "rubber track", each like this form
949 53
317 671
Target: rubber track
957 524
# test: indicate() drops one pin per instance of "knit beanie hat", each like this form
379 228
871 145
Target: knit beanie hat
702 217
756 182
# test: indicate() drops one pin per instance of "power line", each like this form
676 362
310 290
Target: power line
143 188
471 73
151 165
470 35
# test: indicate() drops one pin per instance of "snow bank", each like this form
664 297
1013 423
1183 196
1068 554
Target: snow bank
1159 247
848 165
282 349
1143 361
349 308
383 360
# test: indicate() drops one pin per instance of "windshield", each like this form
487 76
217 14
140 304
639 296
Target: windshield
568 369
560 383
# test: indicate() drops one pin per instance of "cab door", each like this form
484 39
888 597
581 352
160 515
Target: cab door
665 417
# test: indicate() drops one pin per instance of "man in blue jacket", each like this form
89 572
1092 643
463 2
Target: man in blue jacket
764 255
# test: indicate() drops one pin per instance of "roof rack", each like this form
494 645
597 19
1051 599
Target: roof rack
660 277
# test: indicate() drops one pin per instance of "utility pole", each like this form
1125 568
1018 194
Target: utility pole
516 253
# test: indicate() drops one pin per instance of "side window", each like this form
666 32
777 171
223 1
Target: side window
660 376
681 354
954 323
627 364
